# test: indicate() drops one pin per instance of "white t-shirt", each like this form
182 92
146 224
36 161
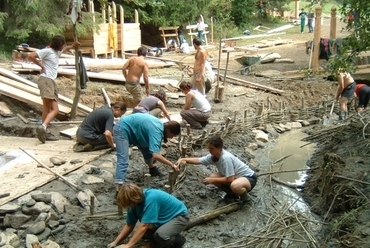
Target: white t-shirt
185 48
200 102
50 60
171 43
200 26
208 70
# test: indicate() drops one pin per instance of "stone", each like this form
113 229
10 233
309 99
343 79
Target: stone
42 217
3 239
59 201
279 129
30 239
50 244
7 246
75 161
253 146
261 144
262 137
92 180
58 229
16 220
57 160
271 131
9 208
30 203
305 123
53 224
38 208
314 120
295 125
13 239
38 228
44 235
286 127
42 197
249 153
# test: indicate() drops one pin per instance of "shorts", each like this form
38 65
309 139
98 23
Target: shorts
252 180
349 91
134 88
48 88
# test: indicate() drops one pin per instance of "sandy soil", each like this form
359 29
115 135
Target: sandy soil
254 216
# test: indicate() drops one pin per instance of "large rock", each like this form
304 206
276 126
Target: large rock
25 198
9 208
30 239
3 239
16 220
43 217
294 125
42 197
12 239
92 180
271 131
50 244
262 137
38 228
59 201
45 234
39 207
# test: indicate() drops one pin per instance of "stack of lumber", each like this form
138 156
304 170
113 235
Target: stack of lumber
26 91
111 77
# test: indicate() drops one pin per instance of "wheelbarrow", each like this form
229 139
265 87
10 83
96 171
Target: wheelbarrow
250 61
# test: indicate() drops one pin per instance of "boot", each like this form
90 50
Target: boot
229 193
179 241
245 197
155 172
342 115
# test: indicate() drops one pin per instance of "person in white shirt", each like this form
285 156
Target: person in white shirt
200 29
185 48
171 45
197 117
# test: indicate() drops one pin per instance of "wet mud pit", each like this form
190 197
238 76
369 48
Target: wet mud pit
275 216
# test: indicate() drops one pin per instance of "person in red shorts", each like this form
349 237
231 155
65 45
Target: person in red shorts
362 94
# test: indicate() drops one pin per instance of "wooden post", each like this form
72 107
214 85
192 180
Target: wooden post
235 114
147 178
106 97
333 23
92 204
211 30
221 94
167 188
316 39
187 129
303 103
218 72
296 5
76 99
171 180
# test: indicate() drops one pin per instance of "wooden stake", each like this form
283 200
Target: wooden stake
221 95
316 39
147 179
167 188
333 23
78 83
92 205
105 96
22 118
171 180
218 71
188 129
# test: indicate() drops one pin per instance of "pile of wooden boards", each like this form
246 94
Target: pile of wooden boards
21 89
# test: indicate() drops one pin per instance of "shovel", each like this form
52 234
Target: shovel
84 196
329 119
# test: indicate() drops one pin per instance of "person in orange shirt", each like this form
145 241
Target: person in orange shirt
362 94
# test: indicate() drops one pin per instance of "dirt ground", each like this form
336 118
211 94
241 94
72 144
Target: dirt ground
333 218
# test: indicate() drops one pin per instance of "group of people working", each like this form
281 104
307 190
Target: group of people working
162 217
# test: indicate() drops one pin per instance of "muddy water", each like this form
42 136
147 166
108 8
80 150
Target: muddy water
289 144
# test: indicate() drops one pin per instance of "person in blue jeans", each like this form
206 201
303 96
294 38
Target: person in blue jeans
162 217
146 132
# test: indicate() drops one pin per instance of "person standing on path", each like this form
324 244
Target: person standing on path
233 176
310 17
303 16
48 60
132 70
345 92
199 78
146 132
162 217
200 29
362 95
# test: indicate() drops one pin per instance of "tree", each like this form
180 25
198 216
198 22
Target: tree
358 40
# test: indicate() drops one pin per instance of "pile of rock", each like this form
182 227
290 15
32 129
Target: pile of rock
32 219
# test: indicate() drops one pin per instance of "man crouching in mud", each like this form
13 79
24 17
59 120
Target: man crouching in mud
162 217
233 177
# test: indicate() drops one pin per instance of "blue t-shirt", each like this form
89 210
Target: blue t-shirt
228 165
143 131
157 208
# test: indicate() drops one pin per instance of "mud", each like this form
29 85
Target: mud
338 224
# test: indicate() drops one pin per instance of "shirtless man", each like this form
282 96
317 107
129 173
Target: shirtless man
199 77
345 91
133 69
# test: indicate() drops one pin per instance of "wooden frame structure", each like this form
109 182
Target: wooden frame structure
112 37
168 32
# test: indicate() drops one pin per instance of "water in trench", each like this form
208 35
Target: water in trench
289 144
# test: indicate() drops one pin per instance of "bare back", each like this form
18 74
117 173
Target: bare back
134 68
345 79
200 60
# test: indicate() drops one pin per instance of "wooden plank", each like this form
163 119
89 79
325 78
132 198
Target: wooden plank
4 110
28 97
69 133
20 178
82 108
